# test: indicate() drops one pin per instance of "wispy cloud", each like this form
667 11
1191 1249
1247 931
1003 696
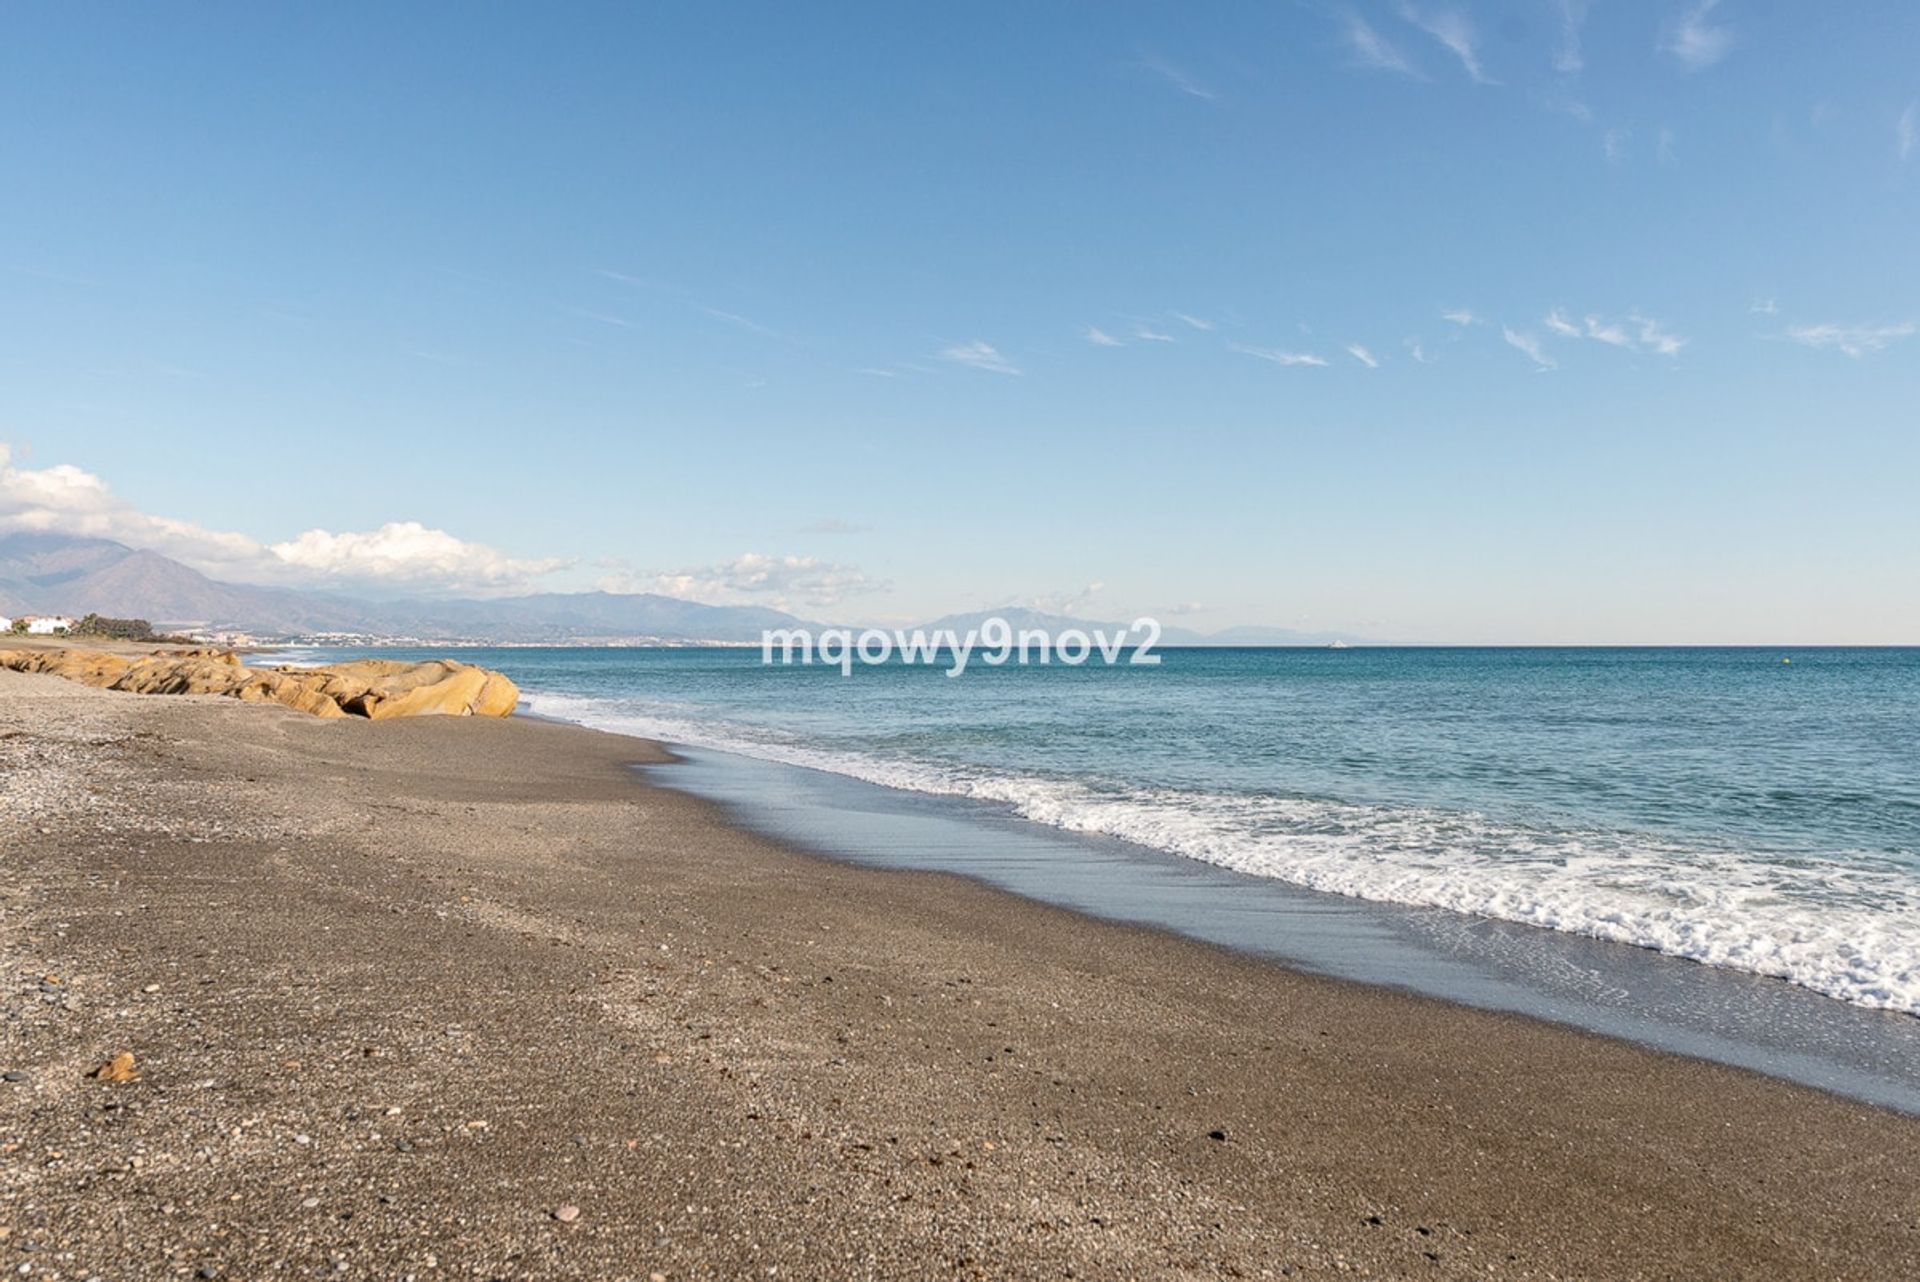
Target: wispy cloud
1454 30
734 318
1178 79
604 318
1655 337
1362 355
1149 335
1460 316
979 355
1530 344
1663 149
1854 340
1612 333
1764 307
1418 350
1906 131
1613 144
1635 333
1100 338
1695 41
1371 49
753 578
833 525
1193 322
1277 356
1568 59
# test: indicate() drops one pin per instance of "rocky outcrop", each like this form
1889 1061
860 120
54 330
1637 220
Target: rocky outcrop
372 688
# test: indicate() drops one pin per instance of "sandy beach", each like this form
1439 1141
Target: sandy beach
464 997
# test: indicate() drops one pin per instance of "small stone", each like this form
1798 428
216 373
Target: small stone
566 1214
13 1075
1216 1135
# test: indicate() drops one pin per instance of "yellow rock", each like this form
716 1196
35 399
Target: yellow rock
372 688
118 1069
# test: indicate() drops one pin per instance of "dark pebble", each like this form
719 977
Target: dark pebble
1216 1135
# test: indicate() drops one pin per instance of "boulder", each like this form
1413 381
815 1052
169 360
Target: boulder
373 688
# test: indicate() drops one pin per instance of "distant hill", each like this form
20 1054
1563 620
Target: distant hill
1022 617
64 574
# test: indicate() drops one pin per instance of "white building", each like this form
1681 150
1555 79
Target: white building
48 625
6 624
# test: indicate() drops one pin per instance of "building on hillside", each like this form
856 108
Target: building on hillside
47 625
6 624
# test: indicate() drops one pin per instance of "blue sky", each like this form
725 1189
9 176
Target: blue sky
883 311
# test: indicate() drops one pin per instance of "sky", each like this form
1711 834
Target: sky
1550 322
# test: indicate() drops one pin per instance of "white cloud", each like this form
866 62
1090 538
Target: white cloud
1277 356
1530 344
1568 59
1148 335
1764 307
1906 130
1694 41
1062 602
1193 322
405 554
400 555
1854 340
1362 355
1418 351
1460 316
1373 50
1100 338
979 355
753 578
1454 31
1559 324
1613 144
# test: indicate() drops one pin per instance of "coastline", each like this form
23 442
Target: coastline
731 1056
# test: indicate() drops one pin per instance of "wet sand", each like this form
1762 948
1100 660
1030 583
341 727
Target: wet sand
400 991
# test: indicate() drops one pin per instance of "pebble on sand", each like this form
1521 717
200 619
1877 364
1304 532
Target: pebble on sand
566 1214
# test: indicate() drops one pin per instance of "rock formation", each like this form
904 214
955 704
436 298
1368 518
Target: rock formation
372 688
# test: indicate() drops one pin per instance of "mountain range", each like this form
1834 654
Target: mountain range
49 573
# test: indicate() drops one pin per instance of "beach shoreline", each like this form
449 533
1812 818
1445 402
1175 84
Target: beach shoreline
581 990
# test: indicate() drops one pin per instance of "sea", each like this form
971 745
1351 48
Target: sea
1715 850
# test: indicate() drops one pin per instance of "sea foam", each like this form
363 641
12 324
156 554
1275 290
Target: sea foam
1847 926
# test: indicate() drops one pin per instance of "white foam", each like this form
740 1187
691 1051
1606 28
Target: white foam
1847 926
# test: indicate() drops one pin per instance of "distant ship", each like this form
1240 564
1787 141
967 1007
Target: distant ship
1337 645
